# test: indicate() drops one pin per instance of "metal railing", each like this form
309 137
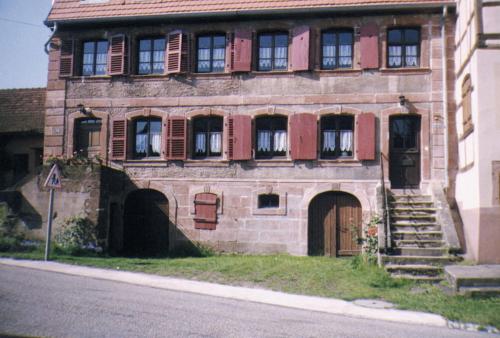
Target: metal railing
387 216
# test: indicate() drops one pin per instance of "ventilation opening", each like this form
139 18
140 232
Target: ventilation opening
269 201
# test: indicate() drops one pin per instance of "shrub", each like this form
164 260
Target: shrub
76 235
10 238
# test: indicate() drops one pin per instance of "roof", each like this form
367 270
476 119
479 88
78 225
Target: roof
22 110
94 10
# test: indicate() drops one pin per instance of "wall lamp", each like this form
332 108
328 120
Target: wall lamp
403 101
84 110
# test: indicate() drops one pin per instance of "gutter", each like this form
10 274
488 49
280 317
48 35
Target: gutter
445 92
314 10
46 45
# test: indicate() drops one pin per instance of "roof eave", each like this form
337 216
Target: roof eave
48 22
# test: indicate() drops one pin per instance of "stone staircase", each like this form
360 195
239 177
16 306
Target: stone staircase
419 251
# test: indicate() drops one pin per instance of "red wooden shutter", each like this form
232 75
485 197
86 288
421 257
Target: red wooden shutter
176 138
366 140
304 136
66 58
242 51
369 47
240 138
119 140
177 59
300 48
117 55
205 206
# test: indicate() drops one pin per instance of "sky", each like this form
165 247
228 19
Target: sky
23 62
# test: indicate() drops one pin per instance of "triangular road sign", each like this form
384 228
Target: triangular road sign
53 181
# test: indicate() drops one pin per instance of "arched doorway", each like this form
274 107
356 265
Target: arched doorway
145 230
334 220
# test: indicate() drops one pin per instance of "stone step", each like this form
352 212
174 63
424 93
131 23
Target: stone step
473 276
479 291
410 198
417 235
419 243
412 204
424 260
414 217
428 279
416 227
413 211
414 270
420 251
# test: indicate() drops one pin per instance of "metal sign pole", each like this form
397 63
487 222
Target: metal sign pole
49 224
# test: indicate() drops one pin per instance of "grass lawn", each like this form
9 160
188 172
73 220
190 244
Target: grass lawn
316 276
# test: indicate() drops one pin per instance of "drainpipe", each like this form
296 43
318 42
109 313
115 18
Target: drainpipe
445 91
46 46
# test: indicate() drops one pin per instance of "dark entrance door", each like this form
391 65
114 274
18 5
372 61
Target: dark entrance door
404 167
334 219
145 231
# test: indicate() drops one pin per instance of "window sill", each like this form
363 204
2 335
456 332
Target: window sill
405 70
148 76
97 78
218 74
271 163
348 162
346 71
147 162
206 163
272 73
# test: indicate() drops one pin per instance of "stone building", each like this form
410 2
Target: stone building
477 68
252 126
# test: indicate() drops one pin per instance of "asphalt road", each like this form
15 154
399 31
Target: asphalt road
38 303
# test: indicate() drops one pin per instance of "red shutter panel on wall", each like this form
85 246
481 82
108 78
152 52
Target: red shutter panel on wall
177 58
66 58
117 55
205 205
369 47
242 45
300 48
366 140
119 140
303 136
240 138
176 138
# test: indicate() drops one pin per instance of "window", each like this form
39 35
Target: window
211 53
151 56
403 48
147 137
87 136
337 136
273 51
467 106
336 49
207 132
268 201
95 58
271 136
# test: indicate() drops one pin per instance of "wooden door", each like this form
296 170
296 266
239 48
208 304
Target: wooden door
404 153
334 225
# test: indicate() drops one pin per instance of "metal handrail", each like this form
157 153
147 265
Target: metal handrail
387 216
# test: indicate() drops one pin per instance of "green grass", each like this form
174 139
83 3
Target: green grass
316 276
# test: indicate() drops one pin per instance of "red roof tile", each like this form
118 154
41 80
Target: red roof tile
63 10
22 110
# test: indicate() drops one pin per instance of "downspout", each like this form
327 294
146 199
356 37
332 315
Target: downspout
54 30
445 92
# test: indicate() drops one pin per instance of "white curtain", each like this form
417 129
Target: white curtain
264 140
156 142
280 140
281 57
141 143
216 142
345 54
159 56
346 140
328 140
203 54
411 56
394 56
329 51
219 53
200 143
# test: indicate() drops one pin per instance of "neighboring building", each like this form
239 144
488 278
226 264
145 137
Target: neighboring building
477 67
251 126
22 123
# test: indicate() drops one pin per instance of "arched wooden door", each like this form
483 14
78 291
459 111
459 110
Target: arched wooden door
145 231
334 219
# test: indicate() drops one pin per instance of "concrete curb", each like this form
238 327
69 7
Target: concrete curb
326 305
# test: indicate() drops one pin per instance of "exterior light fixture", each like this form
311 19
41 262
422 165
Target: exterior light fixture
402 101
84 110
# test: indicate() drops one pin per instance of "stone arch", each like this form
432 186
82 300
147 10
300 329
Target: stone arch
271 110
338 110
103 137
206 112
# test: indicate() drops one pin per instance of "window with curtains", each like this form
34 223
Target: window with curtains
207 134
151 58
87 135
403 47
271 136
95 58
273 51
337 136
336 49
211 53
147 140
